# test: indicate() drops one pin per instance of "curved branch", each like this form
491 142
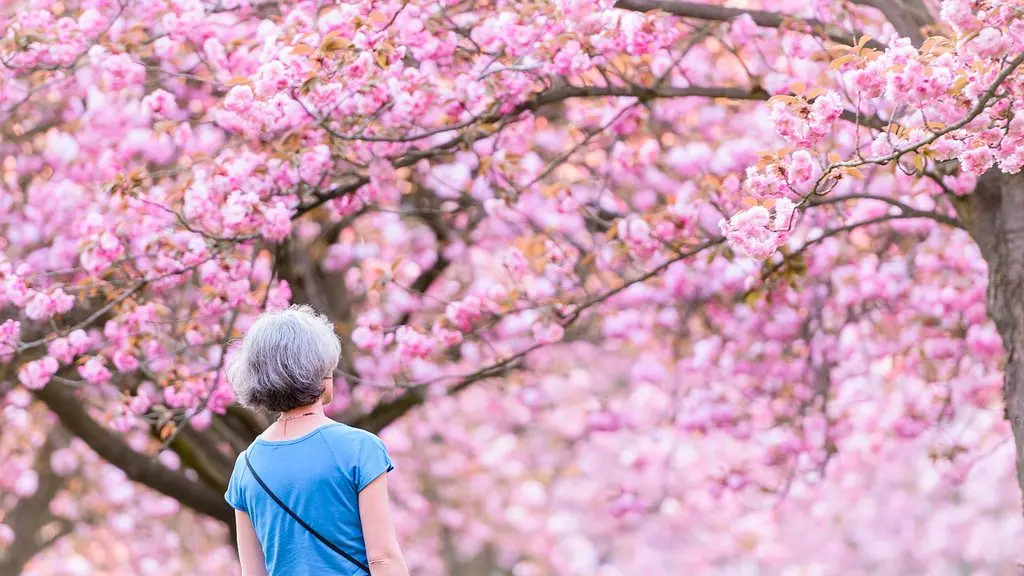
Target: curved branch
643 93
642 278
826 235
211 465
387 412
762 18
111 447
906 209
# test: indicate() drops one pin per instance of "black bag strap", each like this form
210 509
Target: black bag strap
326 542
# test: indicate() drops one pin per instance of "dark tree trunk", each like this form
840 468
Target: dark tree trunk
994 215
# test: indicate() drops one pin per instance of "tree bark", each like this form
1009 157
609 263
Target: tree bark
141 468
908 17
994 216
28 518
714 13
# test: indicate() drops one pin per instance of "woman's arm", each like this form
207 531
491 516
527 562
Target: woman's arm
249 551
382 551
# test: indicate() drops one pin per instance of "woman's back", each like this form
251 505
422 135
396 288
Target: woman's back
318 475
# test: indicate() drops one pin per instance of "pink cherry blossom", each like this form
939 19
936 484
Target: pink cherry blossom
10 331
977 160
34 375
771 183
462 314
94 371
636 233
548 334
314 163
752 233
161 103
801 168
412 344
44 305
239 99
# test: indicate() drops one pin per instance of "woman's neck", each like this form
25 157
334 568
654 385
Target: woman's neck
316 408
297 422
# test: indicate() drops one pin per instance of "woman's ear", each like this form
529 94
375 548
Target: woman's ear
328 394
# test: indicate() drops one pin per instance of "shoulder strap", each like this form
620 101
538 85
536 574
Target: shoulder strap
326 542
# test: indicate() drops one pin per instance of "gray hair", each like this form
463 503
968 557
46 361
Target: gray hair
283 359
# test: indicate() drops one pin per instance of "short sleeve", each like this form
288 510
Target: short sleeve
234 494
373 460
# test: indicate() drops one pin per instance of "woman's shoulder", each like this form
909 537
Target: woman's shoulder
343 433
336 436
360 452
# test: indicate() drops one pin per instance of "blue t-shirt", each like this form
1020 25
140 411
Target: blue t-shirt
319 476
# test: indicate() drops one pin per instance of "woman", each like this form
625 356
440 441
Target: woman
310 494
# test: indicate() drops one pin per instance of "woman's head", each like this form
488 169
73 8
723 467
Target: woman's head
285 361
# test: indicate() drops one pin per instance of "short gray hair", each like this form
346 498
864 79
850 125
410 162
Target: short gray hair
283 359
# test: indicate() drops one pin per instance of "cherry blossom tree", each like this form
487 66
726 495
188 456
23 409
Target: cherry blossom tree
626 286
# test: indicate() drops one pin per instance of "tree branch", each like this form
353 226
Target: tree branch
906 209
560 94
828 234
762 18
907 17
196 452
642 92
98 314
249 423
140 468
387 412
